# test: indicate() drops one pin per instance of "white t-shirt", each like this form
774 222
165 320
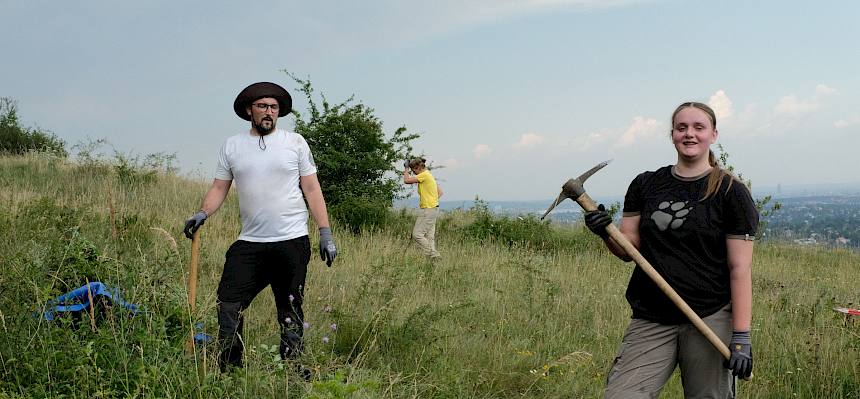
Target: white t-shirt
271 203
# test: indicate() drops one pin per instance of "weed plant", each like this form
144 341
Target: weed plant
516 308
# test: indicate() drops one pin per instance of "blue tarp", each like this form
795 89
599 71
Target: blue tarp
201 337
79 300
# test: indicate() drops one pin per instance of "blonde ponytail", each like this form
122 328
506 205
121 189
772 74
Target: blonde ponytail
715 178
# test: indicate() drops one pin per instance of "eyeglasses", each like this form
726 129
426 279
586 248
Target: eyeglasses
264 107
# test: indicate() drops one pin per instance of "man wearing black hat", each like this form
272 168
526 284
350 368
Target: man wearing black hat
274 172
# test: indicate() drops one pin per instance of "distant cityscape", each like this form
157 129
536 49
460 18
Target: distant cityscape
821 220
832 219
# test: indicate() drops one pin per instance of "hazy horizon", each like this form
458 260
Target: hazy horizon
511 97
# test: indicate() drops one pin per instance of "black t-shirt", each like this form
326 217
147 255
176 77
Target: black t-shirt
684 239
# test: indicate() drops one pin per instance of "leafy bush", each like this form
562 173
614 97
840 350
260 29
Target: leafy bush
355 160
15 139
360 213
131 170
524 230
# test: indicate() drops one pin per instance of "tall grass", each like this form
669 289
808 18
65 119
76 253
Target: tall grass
505 314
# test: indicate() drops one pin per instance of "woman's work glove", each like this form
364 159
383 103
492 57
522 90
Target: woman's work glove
741 349
194 222
327 249
597 221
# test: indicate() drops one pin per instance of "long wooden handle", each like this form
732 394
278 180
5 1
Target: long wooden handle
589 205
192 285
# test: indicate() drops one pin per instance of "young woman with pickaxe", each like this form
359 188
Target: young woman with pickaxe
695 224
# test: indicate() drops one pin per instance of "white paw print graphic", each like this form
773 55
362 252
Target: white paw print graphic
671 214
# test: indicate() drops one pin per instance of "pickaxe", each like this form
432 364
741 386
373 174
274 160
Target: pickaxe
575 190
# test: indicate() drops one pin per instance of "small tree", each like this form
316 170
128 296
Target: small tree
764 205
15 139
356 162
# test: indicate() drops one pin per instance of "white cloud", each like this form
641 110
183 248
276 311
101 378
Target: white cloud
843 123
822 90
529 140
722 106
481 151
641 128
791 106
586 142
451 164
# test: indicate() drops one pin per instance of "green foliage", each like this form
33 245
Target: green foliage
16 139
360 213
338 387
613 209
765 205
355 160
131 170
490 320
526 231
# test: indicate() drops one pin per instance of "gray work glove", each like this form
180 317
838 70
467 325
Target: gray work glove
741 349
327 249
194 222
597 220
406 165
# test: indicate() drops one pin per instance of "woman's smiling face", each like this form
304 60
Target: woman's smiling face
693 133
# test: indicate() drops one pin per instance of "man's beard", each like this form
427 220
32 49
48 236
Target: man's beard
263 130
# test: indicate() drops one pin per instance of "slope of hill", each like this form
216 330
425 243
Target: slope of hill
506 318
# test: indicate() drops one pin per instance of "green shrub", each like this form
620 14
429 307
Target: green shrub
525 230
356 161
359 214
15 139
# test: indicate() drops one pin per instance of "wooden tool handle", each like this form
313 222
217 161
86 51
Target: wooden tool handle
589 205
192 285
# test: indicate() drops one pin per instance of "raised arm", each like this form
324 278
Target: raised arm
407 178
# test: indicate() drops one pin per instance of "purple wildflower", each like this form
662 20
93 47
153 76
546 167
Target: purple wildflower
334 326
325 340
306 325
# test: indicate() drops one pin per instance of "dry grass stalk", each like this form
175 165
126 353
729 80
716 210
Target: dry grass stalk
170 239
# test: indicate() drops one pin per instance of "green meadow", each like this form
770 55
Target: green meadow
515 309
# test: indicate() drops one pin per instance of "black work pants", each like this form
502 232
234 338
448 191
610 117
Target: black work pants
250 267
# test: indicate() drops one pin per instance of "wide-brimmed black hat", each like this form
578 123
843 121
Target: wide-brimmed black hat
259 90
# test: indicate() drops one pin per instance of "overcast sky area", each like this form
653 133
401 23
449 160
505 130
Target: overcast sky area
511 97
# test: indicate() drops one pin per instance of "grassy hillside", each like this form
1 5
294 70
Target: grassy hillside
494 319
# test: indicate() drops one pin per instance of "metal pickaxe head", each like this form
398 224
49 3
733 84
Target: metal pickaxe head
574 188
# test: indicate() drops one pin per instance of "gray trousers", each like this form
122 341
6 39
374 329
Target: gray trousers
650 352
424 232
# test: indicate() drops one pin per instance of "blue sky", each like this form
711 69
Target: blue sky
511 97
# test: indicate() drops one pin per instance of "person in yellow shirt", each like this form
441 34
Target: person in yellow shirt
424 232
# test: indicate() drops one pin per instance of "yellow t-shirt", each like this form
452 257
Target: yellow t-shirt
427 193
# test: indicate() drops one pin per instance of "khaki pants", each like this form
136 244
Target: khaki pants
424 231
650 351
